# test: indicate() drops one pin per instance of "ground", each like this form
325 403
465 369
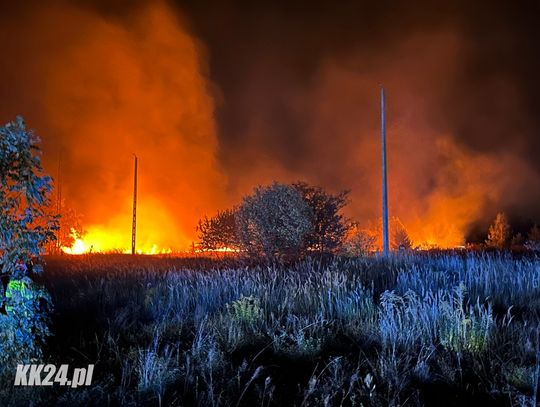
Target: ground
429 329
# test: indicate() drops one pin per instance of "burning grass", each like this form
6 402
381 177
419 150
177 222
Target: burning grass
418 329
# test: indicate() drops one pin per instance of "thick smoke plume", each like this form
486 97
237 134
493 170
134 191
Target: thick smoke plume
295 94
439 185
100 90
303 103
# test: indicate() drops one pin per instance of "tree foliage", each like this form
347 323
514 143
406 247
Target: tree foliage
399 239
533 238
359 242
499 232
294 219
25 228
24 195
25 325
219 231
273 221
329 228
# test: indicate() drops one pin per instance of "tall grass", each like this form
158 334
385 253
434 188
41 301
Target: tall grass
416 329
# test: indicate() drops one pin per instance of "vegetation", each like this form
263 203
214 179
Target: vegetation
399 239
499 232
533 238
219 231
328 226
429 329
418 328
24 193
273 221
359 243
24 230
69 228
362 241
279 220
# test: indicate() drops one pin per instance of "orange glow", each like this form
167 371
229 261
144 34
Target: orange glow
220 250
100 241
117 88
108 88
78 247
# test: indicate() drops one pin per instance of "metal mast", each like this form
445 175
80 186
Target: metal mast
59 198
134 223
386 246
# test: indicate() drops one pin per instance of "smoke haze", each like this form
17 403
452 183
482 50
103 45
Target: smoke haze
215 98
102 90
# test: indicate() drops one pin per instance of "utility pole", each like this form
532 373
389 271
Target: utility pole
386 246
59 199
134 223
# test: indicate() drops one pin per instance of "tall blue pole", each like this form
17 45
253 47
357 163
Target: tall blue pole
386 245
134 222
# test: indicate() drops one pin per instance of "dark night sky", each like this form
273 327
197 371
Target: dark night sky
292 38
295 87
499 41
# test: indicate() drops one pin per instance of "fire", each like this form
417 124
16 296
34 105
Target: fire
78 247
131 86
98 241
426 232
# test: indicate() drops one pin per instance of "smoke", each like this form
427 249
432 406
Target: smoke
328 133
100 89
289 94
304 104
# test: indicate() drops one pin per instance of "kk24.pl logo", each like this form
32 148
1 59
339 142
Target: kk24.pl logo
31 375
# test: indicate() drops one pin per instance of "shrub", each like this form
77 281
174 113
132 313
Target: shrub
400 239
273 221
359 243
245 309
219 231
24 194
24 230
329 227
25 326
499 232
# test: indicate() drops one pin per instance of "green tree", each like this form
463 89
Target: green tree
24 194
499 232
24 230
329 227
219 231
273 221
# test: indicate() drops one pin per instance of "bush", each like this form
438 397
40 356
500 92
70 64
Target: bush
329 227
245 309
273 222
24 230
25 326
499 233
219 231
359 243
24 194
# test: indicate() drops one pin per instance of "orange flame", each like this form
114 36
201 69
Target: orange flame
101 241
